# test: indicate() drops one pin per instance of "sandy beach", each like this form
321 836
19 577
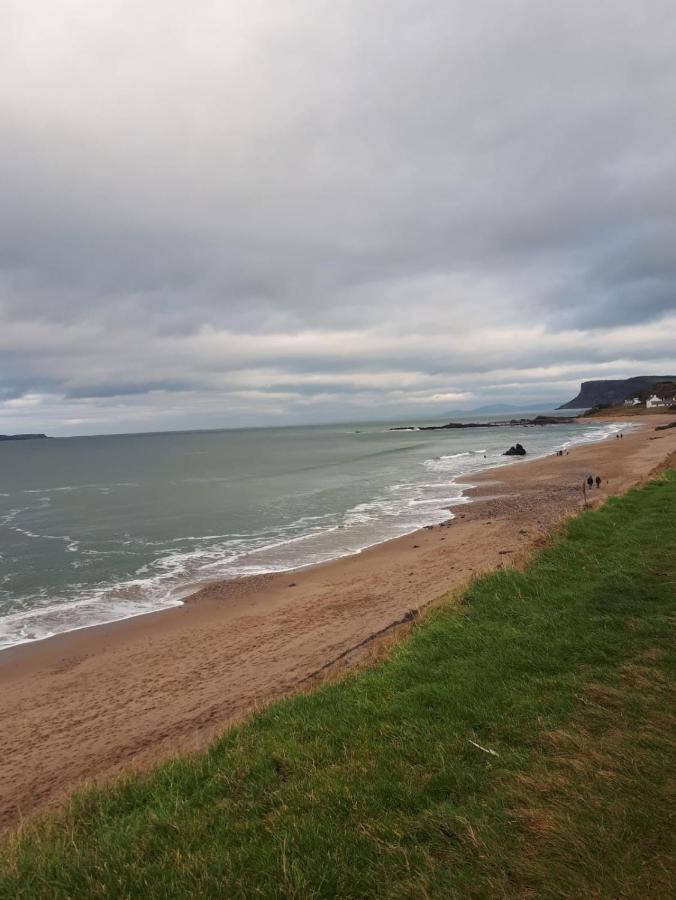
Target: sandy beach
92 703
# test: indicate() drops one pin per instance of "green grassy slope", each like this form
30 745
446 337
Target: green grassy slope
373 787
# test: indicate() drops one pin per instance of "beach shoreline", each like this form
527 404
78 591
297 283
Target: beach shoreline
91 703
103 612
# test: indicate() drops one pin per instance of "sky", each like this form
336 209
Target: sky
237 213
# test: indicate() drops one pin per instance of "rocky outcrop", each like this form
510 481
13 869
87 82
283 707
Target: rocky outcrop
545 420
511 423
516 450
664 427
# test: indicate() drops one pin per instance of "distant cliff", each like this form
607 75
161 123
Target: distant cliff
613 392
21 437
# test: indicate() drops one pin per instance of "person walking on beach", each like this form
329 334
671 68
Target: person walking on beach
590 482
598 481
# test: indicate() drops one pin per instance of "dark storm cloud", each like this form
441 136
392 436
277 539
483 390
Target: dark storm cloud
313 208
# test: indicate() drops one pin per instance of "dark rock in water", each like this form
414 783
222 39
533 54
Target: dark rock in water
516 450
544 420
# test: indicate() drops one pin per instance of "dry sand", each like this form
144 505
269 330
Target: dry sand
95 702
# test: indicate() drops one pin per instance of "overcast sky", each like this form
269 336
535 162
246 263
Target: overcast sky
249 212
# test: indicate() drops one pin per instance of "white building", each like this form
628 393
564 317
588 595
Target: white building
654 401
634 401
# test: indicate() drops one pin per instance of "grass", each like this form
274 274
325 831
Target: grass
604 412
375 786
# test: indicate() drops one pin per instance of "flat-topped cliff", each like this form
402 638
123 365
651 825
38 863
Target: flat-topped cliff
613 392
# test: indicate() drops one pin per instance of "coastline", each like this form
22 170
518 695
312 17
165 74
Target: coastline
192 591
259 559
92 702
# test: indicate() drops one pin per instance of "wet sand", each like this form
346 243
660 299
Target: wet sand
95 702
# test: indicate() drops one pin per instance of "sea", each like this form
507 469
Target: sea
97 529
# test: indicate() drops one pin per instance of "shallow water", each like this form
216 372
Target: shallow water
95 529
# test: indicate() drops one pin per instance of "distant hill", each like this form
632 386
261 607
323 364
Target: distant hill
612 392
22 437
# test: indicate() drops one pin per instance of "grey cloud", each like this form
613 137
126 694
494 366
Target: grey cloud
381 175
124 390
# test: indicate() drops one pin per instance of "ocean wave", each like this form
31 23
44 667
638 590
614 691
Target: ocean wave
78 487
599 433
161 583
21 628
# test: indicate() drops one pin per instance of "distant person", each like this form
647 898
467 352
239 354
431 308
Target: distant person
590 482
598 481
